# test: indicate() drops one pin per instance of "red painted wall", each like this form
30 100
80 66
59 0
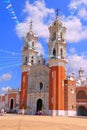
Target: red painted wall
56 88
24 90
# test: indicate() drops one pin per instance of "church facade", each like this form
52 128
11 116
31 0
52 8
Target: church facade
45 87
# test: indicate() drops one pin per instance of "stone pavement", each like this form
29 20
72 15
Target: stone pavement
26 122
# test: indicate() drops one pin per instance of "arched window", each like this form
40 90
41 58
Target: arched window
41 85
54 52
81 95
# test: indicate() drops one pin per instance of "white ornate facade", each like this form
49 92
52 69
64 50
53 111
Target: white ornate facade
38 88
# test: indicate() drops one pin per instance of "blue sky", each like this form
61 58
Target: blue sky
14 24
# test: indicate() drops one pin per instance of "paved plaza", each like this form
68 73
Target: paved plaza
26 122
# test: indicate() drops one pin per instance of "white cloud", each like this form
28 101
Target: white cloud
83 13
80 6
5 89
72 50
40 49
76 62
76 31
74 4
6 76
84 2
40 16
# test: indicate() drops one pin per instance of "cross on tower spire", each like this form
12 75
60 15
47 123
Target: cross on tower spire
57 12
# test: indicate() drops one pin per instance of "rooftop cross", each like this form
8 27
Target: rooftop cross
57 12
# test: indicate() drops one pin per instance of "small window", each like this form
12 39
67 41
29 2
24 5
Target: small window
32 60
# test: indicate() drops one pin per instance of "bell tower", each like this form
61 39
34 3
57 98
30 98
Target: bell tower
29 54
29 51
57 62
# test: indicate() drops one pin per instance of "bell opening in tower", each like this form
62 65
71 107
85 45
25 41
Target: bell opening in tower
54 53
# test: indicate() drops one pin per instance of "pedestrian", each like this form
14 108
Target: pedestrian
2 111
38 112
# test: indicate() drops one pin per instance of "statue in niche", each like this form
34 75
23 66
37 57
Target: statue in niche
41 85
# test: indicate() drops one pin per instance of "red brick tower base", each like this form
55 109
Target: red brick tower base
56 90
24 90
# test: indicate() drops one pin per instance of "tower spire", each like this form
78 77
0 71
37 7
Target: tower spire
31 25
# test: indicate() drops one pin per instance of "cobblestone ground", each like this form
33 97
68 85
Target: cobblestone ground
26 122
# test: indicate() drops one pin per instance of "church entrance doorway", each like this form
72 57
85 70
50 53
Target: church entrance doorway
82 111
11 104
39 105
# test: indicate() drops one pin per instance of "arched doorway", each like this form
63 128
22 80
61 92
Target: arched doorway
39 105
82 111
11 104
